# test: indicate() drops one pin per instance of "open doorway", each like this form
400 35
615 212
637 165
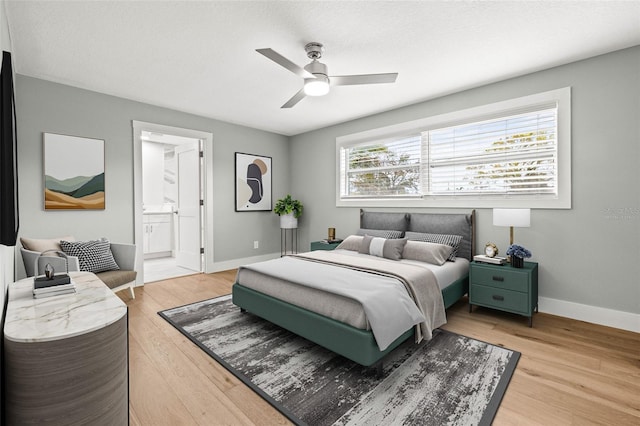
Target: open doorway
170 204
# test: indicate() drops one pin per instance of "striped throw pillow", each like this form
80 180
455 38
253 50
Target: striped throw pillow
381 233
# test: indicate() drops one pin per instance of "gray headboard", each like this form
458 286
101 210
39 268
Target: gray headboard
387 221
434 223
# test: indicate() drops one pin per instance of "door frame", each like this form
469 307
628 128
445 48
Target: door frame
206 174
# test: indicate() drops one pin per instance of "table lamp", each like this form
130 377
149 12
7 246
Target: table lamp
520 218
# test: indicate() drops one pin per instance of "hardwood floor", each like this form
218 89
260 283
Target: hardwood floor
570 372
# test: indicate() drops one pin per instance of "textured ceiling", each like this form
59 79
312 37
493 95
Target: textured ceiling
199 57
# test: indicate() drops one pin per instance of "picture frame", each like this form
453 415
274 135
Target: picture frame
253 182
73 172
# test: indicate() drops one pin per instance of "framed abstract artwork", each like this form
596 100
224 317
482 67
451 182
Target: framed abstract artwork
73 173
253 182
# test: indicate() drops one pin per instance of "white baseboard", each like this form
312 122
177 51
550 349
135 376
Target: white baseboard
235 263
593 314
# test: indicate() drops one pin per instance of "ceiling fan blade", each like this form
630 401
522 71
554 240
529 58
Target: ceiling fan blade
348 80
282 61
295 99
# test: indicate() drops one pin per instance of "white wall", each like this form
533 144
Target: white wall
589 256
152 174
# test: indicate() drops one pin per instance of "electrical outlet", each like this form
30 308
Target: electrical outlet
256 244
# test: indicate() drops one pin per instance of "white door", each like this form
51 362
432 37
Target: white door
188 207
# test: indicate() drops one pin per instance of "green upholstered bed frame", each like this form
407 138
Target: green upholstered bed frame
355 344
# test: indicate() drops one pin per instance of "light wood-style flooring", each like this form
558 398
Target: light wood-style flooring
570 372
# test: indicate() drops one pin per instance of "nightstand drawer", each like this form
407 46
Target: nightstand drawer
506 278
499 298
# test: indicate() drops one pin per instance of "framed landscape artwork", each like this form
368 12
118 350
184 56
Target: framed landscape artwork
73 173
253 182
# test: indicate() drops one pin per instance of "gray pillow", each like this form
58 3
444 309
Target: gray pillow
434 253
382 233
93 256
352 242
382 247
450 240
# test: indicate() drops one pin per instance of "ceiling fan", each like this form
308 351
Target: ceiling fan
316 74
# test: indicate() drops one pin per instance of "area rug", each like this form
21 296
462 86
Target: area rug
450 380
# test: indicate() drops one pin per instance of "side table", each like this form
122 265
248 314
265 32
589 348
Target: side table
323 245
505 288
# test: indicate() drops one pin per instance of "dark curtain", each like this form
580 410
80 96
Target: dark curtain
9 219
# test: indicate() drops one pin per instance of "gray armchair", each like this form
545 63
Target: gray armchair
35 261
116 280
125 277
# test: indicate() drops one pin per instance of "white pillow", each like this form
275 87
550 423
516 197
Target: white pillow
352 242
434 253
450 240
42 245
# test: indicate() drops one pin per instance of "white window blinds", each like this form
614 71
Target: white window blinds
382 169
515 152
508 155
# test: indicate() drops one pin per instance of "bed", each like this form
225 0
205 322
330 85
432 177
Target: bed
255 291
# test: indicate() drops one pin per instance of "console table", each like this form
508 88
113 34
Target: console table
66 356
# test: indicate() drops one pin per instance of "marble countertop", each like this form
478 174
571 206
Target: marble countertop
92 307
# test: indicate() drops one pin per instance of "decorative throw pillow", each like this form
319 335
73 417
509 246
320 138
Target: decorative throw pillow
42 245
93 256
434 253
352 242
450 240
382 247
382 233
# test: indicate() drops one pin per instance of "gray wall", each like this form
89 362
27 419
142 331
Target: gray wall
589 254
568 244
43 106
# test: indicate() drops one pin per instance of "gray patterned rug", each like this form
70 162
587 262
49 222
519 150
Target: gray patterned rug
450 380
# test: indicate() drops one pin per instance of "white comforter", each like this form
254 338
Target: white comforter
394 296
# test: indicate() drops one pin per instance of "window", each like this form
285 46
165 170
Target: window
512 155
517 152
383 169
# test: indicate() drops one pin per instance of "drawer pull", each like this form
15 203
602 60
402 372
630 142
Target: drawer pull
498 297
496 278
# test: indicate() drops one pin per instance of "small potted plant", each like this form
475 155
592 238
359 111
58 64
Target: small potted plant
517 253
289 211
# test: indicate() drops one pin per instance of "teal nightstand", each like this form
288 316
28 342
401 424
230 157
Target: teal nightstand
505 288
321 245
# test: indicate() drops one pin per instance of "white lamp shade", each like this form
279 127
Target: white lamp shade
519 218
318 86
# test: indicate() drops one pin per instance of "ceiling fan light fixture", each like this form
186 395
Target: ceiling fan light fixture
316 74
318 86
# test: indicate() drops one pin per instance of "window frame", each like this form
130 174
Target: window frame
562 97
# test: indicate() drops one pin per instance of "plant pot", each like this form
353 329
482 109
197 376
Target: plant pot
517 262
287 221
